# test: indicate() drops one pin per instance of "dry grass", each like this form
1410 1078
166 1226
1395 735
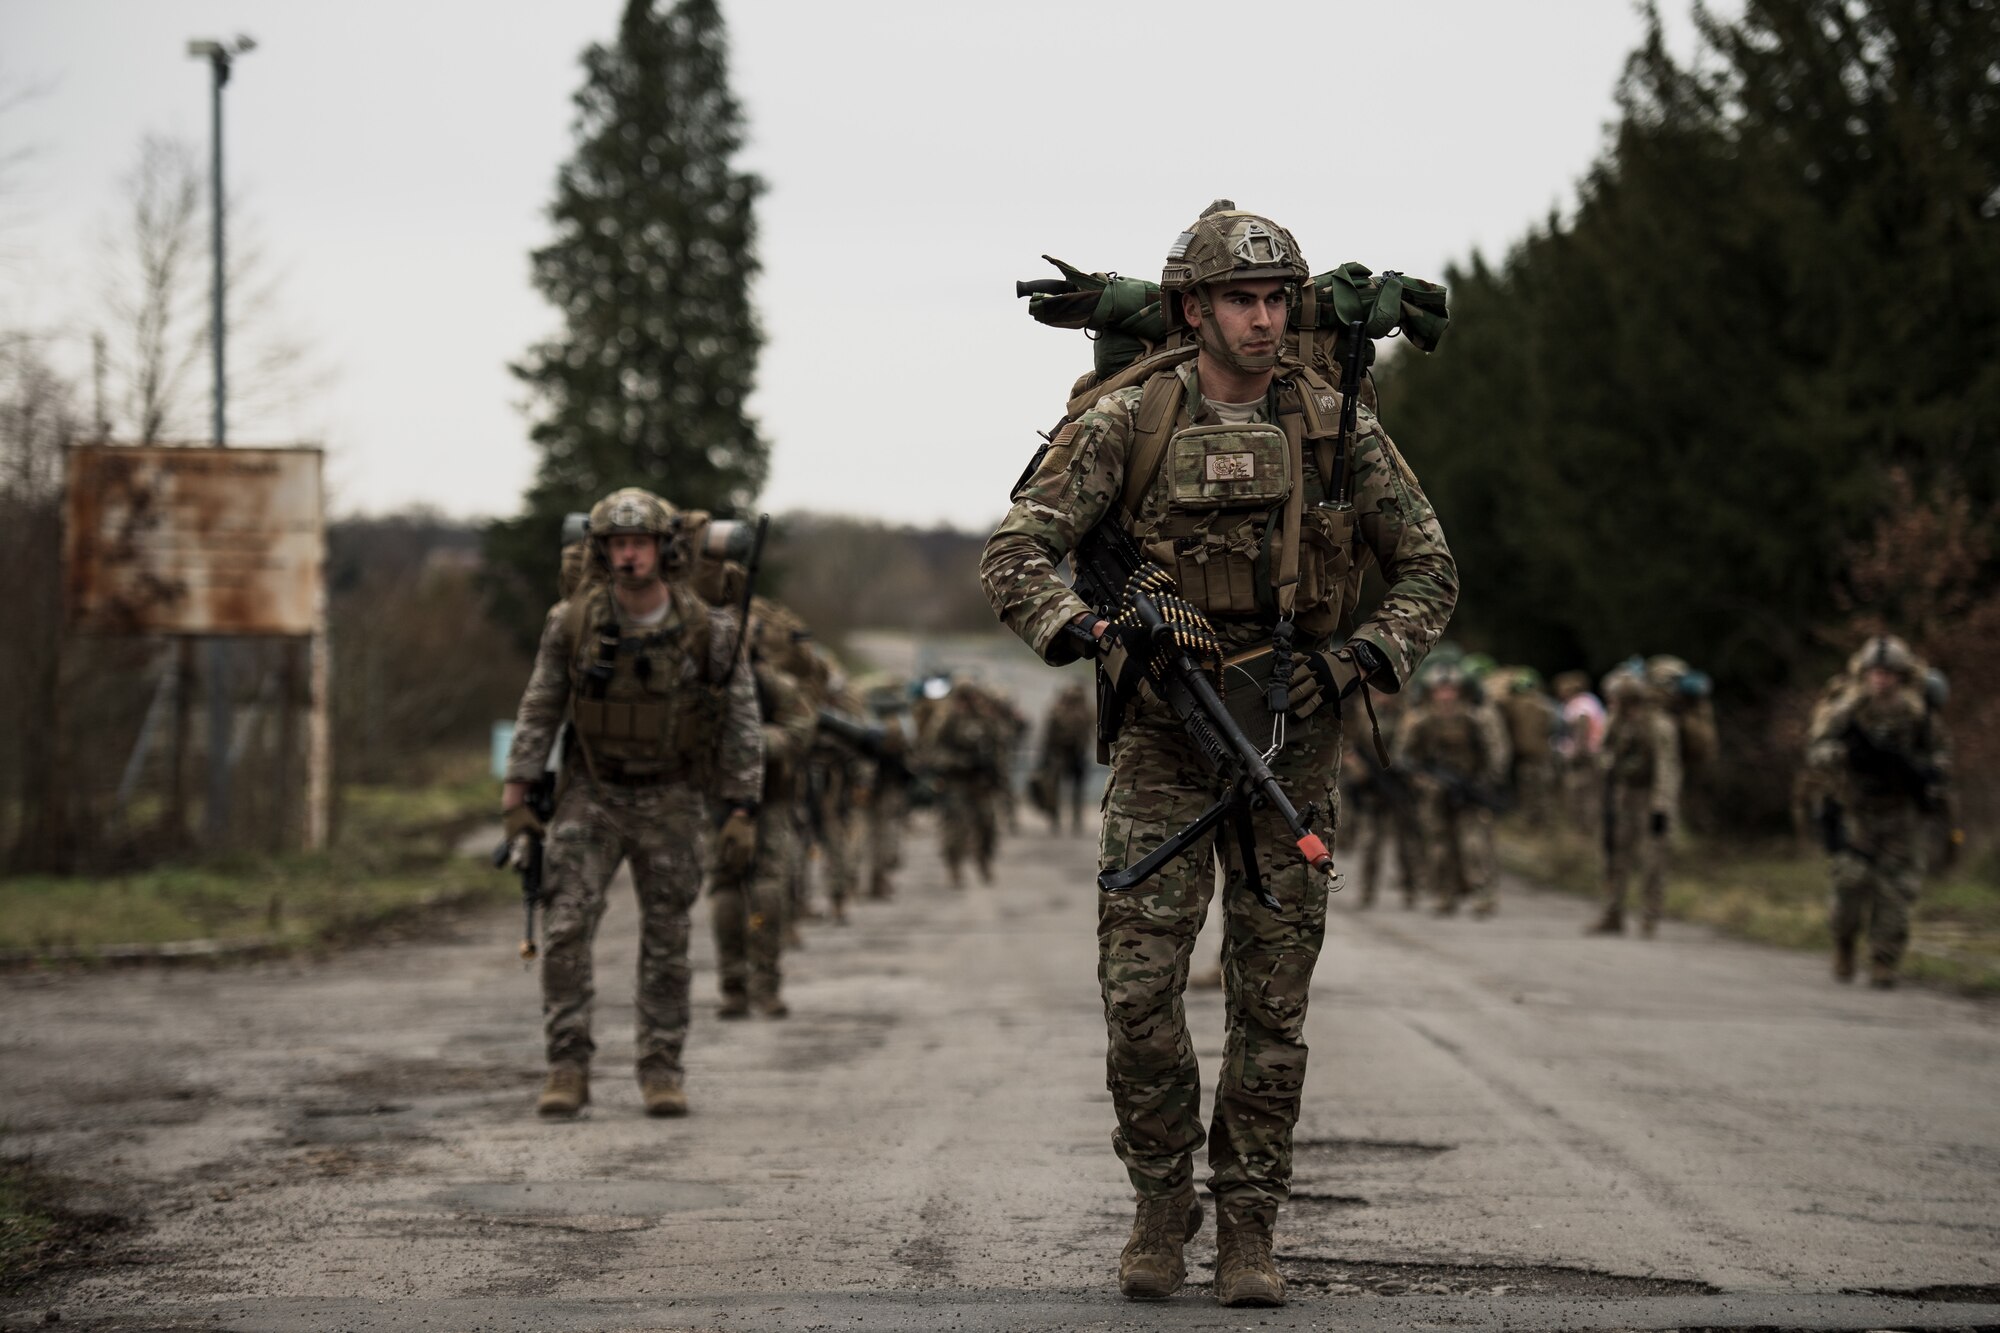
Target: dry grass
1772 896
396 854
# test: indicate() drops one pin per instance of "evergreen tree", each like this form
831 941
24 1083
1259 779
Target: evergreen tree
651 266
1665 422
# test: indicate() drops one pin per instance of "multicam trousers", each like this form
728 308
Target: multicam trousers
748 911
659 830
888 808
1632 845
1876 881
968 819
1462 854
1386 823
1145 937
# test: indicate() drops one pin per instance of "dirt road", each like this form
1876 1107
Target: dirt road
1507 1125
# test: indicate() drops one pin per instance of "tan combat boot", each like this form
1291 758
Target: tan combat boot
1843 959
1244 1271
566 1091
1611 923
662 1094
770 1006
734 1005
1151 1268
1882 976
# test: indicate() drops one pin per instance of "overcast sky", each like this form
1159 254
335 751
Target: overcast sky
398 158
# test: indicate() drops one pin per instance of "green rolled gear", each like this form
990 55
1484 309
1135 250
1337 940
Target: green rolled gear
1124 318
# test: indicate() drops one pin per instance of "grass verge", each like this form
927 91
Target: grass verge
1773 896
395 857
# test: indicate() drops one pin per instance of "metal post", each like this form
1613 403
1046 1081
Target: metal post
216 816
216 655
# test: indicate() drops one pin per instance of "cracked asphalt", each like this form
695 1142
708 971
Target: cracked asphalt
1507 1125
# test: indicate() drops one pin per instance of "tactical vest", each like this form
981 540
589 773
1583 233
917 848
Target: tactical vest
1454 743
1898 724
1630 745
635 718
1253 521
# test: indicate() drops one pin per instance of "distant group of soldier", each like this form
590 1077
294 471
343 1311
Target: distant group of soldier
1472 740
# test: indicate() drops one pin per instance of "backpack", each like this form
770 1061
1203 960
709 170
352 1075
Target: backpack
1126 325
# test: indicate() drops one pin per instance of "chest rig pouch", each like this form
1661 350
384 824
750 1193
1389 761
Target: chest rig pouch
1226 488
641 716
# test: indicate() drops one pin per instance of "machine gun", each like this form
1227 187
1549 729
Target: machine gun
1469 794
1159 635
524 853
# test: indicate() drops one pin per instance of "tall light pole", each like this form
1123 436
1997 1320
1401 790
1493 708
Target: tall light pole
219 55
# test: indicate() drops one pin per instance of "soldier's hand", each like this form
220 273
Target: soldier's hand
1341 671
736 843
1660 823
519 819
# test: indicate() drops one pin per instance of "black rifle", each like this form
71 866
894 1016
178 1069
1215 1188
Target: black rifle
1885 768
1384 781
1833 831
871 740
749 591
1105 563
541 801
1467 793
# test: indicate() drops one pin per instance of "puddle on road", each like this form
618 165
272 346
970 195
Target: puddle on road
575 1198
1359 1277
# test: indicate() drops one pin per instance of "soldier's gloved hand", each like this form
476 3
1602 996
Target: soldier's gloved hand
736 843
1660 823
519 819
1341 670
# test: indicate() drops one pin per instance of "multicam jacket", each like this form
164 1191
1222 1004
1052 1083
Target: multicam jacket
1081 479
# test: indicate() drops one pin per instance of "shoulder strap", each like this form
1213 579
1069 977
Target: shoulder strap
1145 368
1159 409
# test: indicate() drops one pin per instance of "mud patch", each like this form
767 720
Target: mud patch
43 1233
377 1122
1320 1201
573 1198
1946 1294
406 1080
1361 1277
1348 1152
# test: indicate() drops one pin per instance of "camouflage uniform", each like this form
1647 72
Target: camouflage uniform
656 821
835 782
960 748
1886 758
1157 784
886 807
1068 732
1385 804
1531 718
1442 745
1641 761
747 910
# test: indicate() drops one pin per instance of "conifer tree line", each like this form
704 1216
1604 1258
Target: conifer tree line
1692 415
649 269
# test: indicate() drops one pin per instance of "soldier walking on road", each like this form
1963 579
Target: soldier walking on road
1386 805
1456 759
640 669
1577 748
1641 761
1884 752
1229 281
748 906
1068 732
960 748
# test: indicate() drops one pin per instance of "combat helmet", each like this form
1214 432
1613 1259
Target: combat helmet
1627 680
1225 242
633 510
1885 651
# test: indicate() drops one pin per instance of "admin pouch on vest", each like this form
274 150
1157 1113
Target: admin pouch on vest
1126 325
1246 531
636 721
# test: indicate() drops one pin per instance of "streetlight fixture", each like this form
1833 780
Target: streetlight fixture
220 55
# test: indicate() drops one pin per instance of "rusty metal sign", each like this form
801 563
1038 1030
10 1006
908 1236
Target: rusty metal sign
167 540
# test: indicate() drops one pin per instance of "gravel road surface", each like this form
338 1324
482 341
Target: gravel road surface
1507 1125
